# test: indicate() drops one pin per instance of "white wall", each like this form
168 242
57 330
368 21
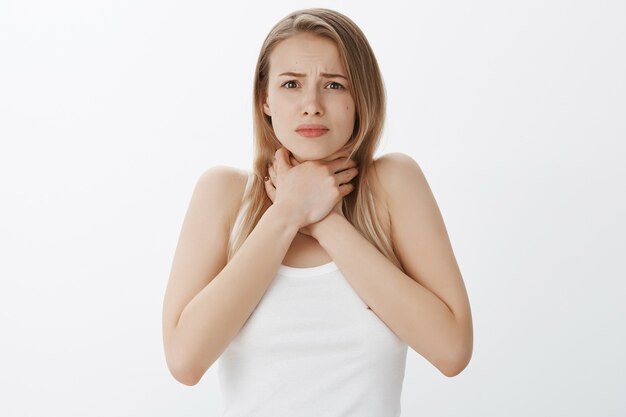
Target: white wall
110 110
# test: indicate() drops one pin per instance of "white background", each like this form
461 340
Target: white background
111 110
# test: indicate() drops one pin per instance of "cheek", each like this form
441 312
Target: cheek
282 105
345 107
350 106
350 111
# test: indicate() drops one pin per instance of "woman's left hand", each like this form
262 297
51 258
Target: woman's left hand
271 188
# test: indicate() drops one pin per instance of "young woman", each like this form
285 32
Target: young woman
309 276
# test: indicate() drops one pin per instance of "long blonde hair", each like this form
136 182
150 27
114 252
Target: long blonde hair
370 104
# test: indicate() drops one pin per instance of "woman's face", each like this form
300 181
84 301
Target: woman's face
315 92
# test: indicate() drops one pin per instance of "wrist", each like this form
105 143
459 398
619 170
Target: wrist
281 215
320 229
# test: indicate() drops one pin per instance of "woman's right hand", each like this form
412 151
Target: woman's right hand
308 191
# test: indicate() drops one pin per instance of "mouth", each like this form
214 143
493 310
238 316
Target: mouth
311 133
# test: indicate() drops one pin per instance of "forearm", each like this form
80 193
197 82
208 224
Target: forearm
410 310
216 314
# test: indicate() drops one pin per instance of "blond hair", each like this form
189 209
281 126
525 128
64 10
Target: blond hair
370 104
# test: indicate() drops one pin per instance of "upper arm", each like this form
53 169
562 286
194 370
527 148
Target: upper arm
419 234
201 252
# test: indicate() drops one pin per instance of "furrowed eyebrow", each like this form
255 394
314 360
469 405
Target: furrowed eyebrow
324 74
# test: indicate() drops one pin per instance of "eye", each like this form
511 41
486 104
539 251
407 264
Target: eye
288 82
339 88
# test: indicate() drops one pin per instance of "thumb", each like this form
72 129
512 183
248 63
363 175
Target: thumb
293 161
282 160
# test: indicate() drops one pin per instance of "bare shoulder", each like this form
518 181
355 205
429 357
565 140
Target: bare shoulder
418 230
388 169
392 164
223 176
395 172
383 172
225 184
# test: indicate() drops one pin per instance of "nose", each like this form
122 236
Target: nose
311 102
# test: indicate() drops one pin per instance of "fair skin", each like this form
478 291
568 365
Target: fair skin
426 305
320 95
208 300
308 84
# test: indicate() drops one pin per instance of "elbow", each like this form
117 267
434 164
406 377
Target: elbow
184 376
179 361
453 369
182 373
460 354
457 361
184 368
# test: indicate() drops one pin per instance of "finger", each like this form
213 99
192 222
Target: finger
341 164
293 161
345 189
347 175
340 153
335 156
282 160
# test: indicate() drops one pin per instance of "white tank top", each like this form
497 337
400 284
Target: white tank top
312 347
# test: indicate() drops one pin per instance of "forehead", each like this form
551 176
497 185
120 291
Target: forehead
305 51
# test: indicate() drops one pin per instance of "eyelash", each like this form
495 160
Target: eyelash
332 82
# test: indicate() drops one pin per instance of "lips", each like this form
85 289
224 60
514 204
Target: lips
312 133
310 130
311 127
